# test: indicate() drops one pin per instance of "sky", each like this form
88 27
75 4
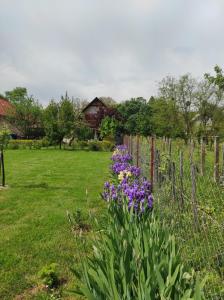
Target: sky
116 48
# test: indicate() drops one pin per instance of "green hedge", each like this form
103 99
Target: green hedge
91 145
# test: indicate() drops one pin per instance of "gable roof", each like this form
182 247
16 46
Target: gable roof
92 102
5 107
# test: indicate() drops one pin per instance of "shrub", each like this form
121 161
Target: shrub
95 145
28 144
12 145
79 220
49 276
45 142
37 144
107 145
82 145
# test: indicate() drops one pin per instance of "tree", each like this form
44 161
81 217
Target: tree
108 101
136 116
218 82
27 113
166 118
16 95
59 120
182 91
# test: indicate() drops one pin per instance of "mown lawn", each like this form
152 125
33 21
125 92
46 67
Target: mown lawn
34 229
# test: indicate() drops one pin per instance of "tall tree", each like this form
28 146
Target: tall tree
136 116
59 120
16 95
166 118
182 91
27 113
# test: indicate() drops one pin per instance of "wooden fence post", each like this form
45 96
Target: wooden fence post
202 156
152 162
2 168
222 159
181 180
131 145
173 172
170 148
193 196
137 151
216 163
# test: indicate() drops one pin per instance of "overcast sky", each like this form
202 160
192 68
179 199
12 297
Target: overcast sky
117 48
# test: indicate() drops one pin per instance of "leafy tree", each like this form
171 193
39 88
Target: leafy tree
59 120
166 118
136 116
16 95
182 92
26 114
218 82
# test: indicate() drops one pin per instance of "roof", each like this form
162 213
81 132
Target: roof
92 102
5 107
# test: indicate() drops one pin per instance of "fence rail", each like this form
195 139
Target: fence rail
188 187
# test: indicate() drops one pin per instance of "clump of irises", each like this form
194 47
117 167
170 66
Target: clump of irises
130 188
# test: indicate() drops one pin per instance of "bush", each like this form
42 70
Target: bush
20 144
95 145
82 145
45 142
37 144
107 145
49 276
28 144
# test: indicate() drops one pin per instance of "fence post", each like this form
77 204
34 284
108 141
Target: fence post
137 151
173 171
216 163
222 159
152 162
202 156
2 168
130 144
170 148
181 180
193 196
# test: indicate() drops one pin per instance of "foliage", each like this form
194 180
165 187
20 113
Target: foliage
49 276
135 115
83 132
16 95
136 260
109 127
27 144
4 138
59 120
79 220
162 111
27 113
136 257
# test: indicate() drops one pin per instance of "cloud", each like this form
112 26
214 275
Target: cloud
119 48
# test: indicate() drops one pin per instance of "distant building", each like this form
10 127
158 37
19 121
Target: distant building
94 113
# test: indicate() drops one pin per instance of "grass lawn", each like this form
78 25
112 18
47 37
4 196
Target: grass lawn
34 229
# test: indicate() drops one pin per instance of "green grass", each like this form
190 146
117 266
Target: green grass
34 229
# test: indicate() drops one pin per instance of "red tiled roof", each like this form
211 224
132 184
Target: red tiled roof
5 107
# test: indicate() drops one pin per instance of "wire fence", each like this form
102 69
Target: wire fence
188 188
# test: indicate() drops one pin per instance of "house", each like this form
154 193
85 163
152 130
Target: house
94 113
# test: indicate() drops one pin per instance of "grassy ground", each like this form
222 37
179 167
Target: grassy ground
34 230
